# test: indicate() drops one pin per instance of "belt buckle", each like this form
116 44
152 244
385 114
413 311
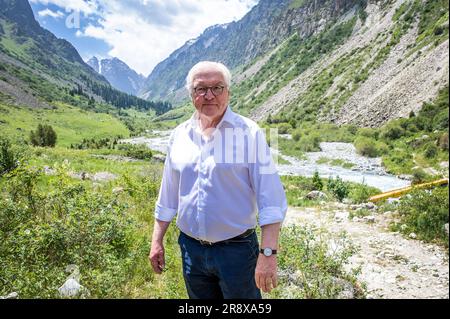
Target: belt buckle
204 242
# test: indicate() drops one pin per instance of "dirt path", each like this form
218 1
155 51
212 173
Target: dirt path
392 266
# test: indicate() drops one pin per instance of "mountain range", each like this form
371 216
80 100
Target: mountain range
361 62
118 74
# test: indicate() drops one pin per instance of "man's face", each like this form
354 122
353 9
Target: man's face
209 105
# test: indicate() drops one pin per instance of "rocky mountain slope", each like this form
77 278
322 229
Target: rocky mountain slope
392 62
235 43
238 43
118 74
361 62
22 39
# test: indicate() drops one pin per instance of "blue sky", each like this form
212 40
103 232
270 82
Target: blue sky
140 32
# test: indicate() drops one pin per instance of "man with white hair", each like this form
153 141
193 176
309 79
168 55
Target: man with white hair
219 178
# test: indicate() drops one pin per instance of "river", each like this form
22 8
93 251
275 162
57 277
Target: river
365 170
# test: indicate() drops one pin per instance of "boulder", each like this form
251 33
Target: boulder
103 177
369 205
71 288
341 216
13 295
315 195
412 236
369 219
49 171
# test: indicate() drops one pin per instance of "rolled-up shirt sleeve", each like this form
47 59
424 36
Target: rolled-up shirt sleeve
167 204
270 195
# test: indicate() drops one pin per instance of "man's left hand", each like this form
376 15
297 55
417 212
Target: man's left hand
266 272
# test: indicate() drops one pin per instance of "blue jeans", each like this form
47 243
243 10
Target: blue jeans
224 270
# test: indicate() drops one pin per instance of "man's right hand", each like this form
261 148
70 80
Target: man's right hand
156 257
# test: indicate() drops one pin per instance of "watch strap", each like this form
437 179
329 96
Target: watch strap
274 251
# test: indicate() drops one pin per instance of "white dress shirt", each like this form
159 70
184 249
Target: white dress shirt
218 184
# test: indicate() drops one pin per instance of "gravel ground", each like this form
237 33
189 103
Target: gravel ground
392 266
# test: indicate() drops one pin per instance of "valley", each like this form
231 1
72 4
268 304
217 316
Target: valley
357 91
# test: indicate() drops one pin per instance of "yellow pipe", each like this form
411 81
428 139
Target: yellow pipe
400 191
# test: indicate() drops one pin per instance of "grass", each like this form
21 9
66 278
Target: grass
71 124
308 268
291 148
128 264
297 187
139 182
172 118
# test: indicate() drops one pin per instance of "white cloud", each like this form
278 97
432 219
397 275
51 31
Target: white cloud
144 32
49 13
86 7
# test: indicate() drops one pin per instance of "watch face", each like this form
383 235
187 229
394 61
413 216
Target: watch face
267 252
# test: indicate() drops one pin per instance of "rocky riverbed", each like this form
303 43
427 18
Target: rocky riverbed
365 170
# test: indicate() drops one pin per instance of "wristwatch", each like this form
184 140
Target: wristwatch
268 251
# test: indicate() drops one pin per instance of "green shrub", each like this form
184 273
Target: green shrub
440 121
136 151
44 136
97 143
400 158
284 128
317 181
443 141
352 129
392 132
425 213
421 122
419 176
367 147
41 232
9 156
360 193
368 132
310 143
297 135
431 151
297 187
310 269
338 188
411 127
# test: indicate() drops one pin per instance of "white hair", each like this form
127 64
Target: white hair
217 66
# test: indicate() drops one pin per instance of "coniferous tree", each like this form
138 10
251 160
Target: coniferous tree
44 136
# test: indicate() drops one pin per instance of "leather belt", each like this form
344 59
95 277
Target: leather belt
245 234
